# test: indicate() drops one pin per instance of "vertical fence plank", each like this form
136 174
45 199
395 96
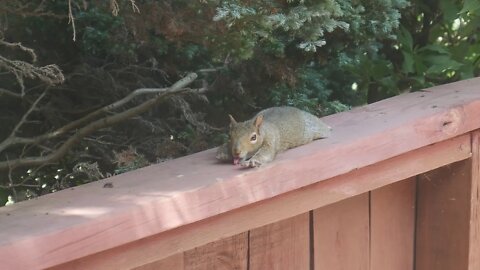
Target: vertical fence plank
443 213
174 262
392 226
474 248
225 254
281 245
341 235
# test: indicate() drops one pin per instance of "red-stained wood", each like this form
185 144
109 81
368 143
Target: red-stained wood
392 226
225 254
174 262
474 247
278 208
283 245
341 235
72 224
443 215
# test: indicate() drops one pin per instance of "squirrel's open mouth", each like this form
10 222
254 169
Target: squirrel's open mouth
237 160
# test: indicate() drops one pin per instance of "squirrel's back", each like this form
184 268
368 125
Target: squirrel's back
296 127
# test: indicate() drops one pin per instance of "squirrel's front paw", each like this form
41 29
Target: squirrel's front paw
222 156
250 163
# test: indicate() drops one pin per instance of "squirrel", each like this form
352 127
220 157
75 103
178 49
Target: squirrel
273 130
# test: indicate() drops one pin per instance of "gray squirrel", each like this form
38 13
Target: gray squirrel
257 141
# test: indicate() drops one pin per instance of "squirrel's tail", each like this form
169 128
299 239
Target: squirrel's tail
316 128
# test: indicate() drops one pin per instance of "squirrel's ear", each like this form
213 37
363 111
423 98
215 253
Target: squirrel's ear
232 120
258 121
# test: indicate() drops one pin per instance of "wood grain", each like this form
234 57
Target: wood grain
443 217
281 207
474 247
89 219
225 254
174 262
283 245
341 235
392 226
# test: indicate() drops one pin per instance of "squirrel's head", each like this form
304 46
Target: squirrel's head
246 138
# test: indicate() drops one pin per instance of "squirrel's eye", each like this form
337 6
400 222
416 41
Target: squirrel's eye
253 138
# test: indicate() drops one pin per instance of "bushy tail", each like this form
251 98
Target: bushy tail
316 128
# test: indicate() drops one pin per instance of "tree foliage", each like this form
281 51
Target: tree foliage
323 56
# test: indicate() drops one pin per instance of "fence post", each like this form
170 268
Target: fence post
474 244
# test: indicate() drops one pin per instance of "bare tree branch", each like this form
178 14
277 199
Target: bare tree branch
187 112
134 6
12 137
50 74
115 7
177 88
19 45
25 116
9 93
13 140
71 19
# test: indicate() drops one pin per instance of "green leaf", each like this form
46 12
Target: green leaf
466 71
405 39
388 83
419 80
434 48
408 62
449 10
471 28
470 6
441 63
381 69
420 67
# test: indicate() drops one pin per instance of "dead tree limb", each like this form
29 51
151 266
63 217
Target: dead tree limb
14 140
9 93
176 88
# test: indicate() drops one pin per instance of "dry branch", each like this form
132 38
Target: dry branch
25 116
9 93
14 140
177 88
19 45
71 19
50 74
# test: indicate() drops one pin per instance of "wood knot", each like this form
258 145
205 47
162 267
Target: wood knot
452 121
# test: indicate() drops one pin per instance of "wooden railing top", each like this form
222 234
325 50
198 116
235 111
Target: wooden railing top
88 219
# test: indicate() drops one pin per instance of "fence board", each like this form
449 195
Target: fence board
341 235
282 245
392 226
278 208
443 202
474 248
174 262
226 254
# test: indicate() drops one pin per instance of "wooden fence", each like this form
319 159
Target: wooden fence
396 187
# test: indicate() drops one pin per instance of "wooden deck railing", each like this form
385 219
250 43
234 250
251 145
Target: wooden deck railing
396 187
